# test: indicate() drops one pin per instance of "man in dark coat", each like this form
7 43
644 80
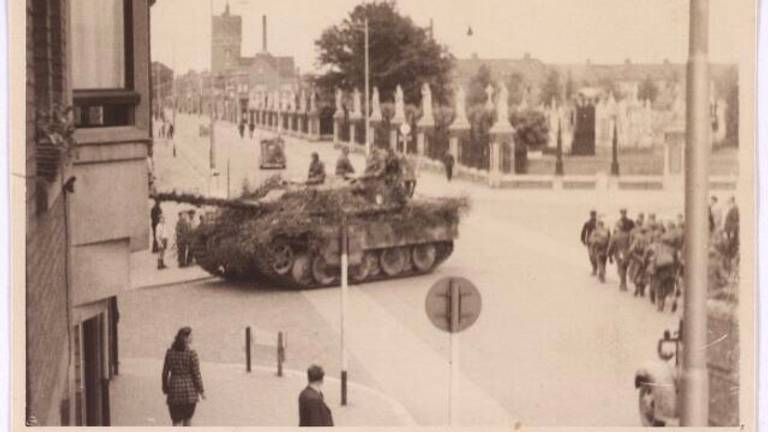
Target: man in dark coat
312 408
154 216
182 232
625 224
448 161
586 231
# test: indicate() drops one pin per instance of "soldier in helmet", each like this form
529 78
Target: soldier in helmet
316 170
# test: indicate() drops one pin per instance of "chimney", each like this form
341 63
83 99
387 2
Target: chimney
264 33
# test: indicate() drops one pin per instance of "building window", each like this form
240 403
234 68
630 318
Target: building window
102 60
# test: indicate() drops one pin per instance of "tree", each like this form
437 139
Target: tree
551 89
570 87
516 87
401 53
732 107
477 85
648 90
531 128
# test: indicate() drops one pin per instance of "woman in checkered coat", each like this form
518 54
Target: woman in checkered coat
182 381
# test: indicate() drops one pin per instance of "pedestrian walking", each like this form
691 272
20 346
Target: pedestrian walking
241 129
251 129
154 215
637 252
182 234
625 224
618 252
344 167
182 381
312 408
171 130
586 231
161 237
448 161
599 239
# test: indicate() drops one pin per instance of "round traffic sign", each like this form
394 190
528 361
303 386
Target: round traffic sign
453 304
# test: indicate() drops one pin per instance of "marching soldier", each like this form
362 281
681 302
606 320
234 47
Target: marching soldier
586 231
598 244
638 245
618 251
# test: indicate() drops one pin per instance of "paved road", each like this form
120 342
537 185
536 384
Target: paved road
552 346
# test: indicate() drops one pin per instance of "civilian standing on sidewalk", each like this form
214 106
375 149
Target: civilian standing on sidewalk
448 161
161 237
154 216
182 382
312 408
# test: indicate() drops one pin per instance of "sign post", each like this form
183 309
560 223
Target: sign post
453 304
344 294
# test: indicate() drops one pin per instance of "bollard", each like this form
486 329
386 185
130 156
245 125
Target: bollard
280 354
248 349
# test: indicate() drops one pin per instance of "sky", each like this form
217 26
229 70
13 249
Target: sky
555 31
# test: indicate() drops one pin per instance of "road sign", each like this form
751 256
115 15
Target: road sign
453 304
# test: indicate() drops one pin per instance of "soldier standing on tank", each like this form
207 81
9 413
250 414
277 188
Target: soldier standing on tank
182 231
344 167
316 171
599 239
586 231
409 175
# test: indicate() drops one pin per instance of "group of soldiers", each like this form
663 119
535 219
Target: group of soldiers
396 170
647 253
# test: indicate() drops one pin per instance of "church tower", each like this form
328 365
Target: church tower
226 39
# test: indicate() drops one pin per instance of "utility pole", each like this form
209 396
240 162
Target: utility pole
367 94
212 154
695 382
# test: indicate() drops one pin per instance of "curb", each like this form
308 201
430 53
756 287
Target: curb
174 283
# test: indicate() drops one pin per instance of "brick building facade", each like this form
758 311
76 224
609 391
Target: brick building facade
85 198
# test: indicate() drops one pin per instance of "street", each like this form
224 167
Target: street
552 346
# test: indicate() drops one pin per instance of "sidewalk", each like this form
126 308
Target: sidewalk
238 398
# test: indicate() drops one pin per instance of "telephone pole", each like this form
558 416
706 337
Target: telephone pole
695 382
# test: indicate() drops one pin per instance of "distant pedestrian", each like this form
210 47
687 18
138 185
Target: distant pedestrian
182 381
241 129
312 408
182 237
715 215
154 215
161 236
251 129
344 167
586 231
448 161
171 131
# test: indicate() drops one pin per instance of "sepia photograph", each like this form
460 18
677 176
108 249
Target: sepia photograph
383 213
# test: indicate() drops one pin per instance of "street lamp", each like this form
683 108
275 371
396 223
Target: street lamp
615 149
559 160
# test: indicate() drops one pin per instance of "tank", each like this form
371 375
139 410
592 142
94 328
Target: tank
290 234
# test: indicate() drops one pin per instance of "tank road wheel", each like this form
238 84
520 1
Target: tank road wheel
394 261
300 271
424 256
281 257
368 267
322 272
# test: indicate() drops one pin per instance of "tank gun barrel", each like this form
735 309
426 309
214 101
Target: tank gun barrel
201 200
